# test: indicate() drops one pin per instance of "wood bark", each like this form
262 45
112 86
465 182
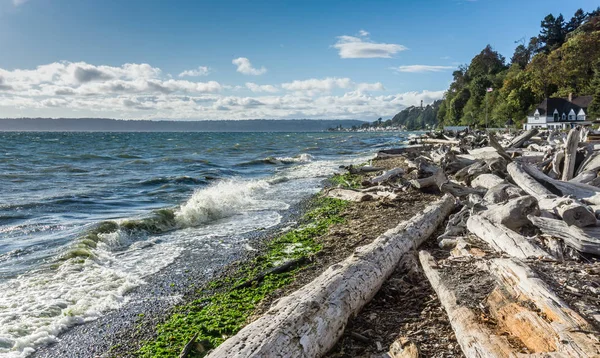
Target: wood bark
584 177
502 239
475 339
562 332
308 322
573 236
570 154
494 144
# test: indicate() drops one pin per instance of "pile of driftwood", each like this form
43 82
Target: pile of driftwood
516 200
532 197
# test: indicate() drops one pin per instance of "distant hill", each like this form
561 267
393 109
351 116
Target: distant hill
414 117
114 125
411 118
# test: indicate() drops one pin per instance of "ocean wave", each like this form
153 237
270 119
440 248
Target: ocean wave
302 158
170 180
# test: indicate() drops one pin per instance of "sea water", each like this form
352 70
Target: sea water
87 217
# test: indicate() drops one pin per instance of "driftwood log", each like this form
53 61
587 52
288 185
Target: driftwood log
518 141
502 239
308 322
573 236
349 195
573 212
390 174
474 338
551 326
512 214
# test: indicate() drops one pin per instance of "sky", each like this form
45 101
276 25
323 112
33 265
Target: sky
226 59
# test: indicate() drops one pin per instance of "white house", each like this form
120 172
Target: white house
560 113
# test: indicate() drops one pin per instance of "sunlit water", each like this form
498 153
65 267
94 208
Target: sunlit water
86 217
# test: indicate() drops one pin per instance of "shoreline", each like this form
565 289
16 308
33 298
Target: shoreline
362 223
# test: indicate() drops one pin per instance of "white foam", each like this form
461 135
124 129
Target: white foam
224 199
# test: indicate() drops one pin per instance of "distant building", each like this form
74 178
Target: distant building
560 113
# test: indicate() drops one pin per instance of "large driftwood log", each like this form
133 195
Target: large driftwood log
591 163
573 236
308 322
584 192
514 213
570 154
551 327
557 162
349 195
584 177
573 212
502 239
475 338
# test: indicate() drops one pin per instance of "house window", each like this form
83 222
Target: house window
537 117
564 117
571 117
556 116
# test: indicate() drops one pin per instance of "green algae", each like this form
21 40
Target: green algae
346 181
222 310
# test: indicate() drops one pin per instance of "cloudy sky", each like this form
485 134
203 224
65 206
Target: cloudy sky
151 59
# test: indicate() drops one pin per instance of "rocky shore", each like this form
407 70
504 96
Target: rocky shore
469 245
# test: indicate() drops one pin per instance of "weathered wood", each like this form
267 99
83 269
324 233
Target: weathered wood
587 193
470 172
512 214
518 141
573 212
573 236
591 163
551 326
439 141
502 239
487 181
557 162
350 195
584 177
499 149
390 174
570 154
475 339
429 181
502 193
308 322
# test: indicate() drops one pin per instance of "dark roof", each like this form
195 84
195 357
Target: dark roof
563 105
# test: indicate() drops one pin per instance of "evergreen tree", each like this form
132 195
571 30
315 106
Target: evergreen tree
521 56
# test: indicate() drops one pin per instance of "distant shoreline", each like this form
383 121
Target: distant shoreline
118 125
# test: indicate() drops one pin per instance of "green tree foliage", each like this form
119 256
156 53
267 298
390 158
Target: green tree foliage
564 58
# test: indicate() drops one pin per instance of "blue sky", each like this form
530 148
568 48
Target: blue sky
300 59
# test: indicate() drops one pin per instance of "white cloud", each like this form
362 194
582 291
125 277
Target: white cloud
313 84
261 88
422 68
140 91
244 66
356 47
363 33
19 2
200 71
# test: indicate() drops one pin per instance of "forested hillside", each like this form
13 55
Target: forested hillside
564 58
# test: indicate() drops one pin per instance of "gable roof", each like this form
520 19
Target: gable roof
548 105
